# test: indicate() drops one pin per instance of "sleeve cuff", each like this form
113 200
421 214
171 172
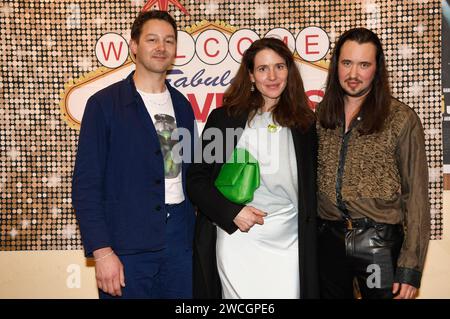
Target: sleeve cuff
408 276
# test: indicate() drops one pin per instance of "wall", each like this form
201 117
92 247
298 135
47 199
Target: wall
49 58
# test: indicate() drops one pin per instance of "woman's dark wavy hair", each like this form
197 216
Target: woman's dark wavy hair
292 109
375 107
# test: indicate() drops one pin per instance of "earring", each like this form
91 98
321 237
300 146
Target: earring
252 88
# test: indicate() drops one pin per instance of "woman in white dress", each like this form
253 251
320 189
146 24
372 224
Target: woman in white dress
267 247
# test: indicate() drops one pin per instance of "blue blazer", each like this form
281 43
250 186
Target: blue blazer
118 187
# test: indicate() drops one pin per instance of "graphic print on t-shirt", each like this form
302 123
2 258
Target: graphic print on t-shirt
164 125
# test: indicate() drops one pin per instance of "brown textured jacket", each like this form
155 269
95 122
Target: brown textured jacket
384 177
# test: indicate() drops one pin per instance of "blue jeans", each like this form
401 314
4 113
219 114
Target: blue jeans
162 274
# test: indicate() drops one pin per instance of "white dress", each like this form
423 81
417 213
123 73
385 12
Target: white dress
263 263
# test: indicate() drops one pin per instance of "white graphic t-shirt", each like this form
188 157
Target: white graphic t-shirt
160 108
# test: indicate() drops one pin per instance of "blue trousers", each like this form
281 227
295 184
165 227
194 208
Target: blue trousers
162 274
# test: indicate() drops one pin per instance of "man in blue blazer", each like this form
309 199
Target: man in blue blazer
128 188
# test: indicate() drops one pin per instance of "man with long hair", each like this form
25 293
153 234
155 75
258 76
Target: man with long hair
372 179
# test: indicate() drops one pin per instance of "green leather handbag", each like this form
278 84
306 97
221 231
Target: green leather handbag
239 177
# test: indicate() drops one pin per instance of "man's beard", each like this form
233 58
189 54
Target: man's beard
358 94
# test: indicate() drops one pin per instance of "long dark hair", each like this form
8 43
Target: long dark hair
292 108
375 108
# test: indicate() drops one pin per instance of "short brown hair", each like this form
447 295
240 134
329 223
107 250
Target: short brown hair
143 17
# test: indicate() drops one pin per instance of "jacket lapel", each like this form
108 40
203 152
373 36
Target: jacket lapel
180 116
234 123
131 98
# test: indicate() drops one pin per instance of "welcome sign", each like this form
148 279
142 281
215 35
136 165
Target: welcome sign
208 56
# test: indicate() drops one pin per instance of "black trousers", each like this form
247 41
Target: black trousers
367 253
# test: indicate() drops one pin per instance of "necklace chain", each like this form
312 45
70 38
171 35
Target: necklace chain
162 103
